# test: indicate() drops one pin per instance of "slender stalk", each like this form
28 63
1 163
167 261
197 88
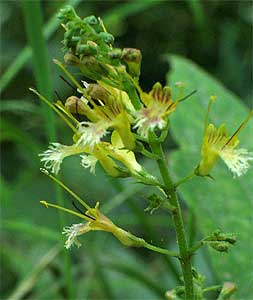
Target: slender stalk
161 250
134 97
185 258
186 178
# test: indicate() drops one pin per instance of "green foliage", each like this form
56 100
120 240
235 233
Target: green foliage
223 202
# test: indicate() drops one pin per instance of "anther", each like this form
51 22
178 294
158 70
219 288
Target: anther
79 210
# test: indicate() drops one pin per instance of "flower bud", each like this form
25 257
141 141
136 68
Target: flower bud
75 105
91 20
92 68
97 92
132 57
71 59
115 53
227 290
171 295
86 49
106 37
219 246
67 14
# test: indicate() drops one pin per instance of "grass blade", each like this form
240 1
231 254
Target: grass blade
27 284
34 23
26 53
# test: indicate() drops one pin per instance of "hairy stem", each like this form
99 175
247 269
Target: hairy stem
185 258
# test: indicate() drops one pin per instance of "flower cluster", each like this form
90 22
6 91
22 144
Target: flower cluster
112 116
114 111
116 114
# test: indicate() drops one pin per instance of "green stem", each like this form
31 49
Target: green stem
212 288
185 258
161 250
186 178
134 97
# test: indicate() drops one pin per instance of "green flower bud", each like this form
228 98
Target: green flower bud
219 246
132 57
228 289
71 59
106 37
86 50
91 20
171 295
67 14
115 53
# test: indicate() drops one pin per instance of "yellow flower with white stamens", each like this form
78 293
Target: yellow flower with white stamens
96 221
158 105
108 106
218 144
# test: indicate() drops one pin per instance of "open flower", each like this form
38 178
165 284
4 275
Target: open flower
158 105
119 154
95 220
217 143
91 133
106 109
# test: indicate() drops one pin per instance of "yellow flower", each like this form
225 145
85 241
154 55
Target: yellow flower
158 105
218 144
109 111
95 221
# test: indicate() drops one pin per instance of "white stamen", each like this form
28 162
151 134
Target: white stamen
91 133
147 121
84 100
89 162
85 84
236 160
72 232
55 154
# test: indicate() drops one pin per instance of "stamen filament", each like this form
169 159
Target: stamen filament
65 209
59 106
66 188
61 66
187 96
239 128
54 108
212 99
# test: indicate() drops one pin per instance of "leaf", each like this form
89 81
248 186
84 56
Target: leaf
224 203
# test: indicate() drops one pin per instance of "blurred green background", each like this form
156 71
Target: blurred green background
217 36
